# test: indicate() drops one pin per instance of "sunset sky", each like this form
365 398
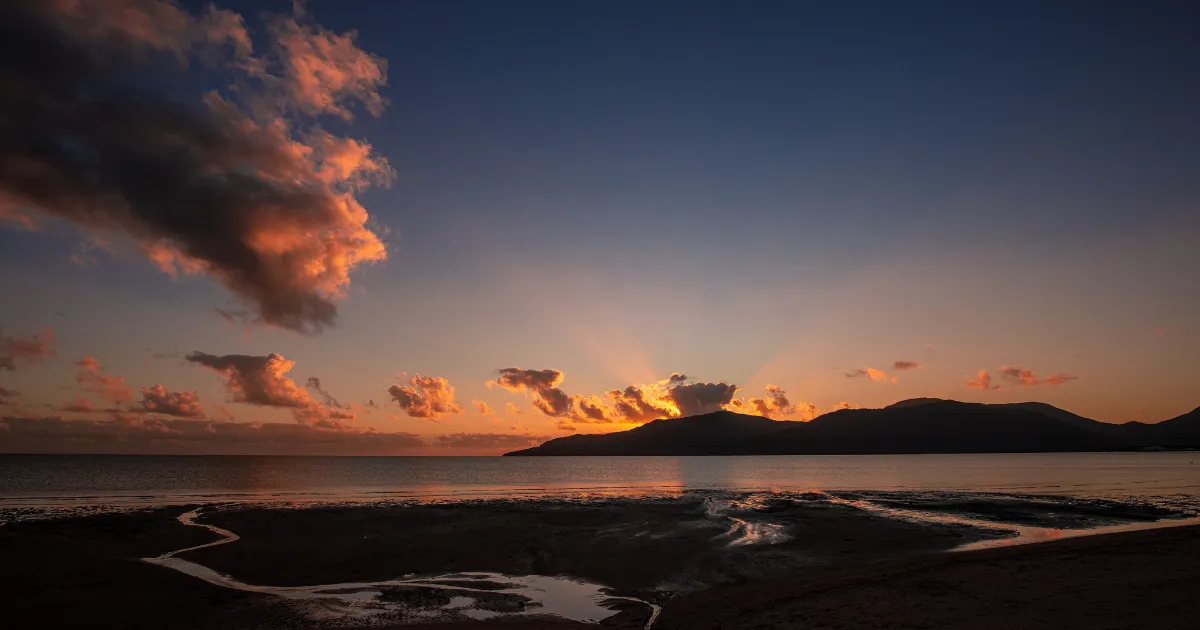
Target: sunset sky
480 225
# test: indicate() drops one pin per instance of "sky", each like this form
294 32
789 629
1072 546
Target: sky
468 227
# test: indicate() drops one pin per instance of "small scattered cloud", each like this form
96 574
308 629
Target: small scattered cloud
484 408
1028 378
25 349
428 397
981 380
157 399
90 374
512 409
903 365
875 375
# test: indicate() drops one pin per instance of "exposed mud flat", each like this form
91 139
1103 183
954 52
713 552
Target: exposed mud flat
564 562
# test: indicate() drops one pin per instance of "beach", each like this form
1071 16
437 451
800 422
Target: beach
698 560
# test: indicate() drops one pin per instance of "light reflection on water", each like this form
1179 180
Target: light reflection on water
47 480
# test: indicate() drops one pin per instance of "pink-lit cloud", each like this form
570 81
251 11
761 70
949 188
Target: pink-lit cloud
982 380
1028 378
90 374
157 399
263 381
428 397
874 374
30 348
247 189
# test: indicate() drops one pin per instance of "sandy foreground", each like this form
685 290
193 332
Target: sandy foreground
707 564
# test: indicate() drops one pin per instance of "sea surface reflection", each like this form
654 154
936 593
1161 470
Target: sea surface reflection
74 480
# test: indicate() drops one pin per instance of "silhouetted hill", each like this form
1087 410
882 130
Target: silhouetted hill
709 434
919 425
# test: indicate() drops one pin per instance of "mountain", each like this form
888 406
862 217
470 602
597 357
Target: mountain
919 425
709 434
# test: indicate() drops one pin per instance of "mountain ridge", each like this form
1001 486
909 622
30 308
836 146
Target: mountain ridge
919 425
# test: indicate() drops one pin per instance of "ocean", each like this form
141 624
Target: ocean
52 481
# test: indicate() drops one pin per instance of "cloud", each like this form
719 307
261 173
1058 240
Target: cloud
427 397
903 365
668 398
314 384
876 376
263 381
542 384
157 399
640 403
698 398
484 408
29 349
774 404
79 405
8 396
512 409
133 433
256 380
1028 378
982 380
244 187
90 374
320 71
489 440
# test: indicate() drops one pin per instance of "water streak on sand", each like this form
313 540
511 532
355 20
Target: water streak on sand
1018 534
527 595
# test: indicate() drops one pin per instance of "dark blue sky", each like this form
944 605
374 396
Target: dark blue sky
754 192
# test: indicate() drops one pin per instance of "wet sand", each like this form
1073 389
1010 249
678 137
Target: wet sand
1144 579
711 562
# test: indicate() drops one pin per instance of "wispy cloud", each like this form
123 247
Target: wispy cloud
981 380
1028 378
91 375
875 375
25 349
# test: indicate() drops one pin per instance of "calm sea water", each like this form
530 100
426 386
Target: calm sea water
62 480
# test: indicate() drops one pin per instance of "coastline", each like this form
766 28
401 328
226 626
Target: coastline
706 558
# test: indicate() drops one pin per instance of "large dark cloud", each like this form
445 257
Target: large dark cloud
140 433
26 349
263 203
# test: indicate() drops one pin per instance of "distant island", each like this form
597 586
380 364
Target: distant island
920 425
